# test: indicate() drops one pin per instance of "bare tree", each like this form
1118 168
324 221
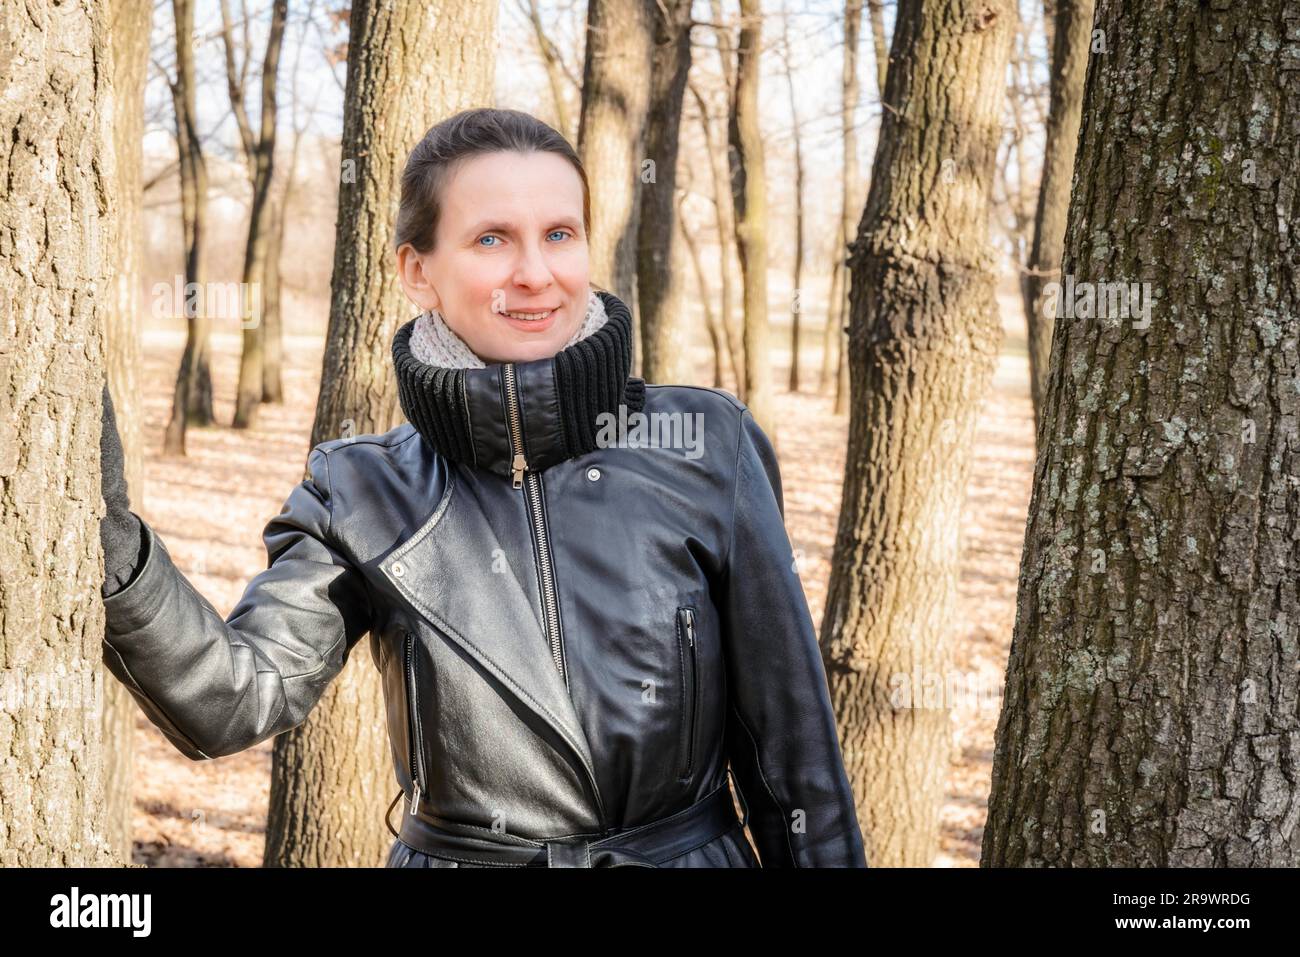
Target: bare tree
665 336
1073 32
57 214
923 341
796 300
192 397
259 153
721 197
717 340
1149 711
557 75
618 57
749 194
281 200
849 209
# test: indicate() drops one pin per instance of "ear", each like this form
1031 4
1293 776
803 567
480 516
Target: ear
414 278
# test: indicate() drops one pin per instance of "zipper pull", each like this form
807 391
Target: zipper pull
519 466
415 800
690 627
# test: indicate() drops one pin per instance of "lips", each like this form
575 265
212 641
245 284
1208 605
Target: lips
531 321
530 316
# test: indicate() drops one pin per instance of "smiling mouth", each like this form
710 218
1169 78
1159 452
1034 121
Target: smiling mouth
529 316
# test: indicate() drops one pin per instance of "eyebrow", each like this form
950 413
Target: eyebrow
497 226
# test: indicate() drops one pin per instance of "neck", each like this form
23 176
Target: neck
465 413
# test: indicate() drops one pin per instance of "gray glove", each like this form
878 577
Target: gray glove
120 531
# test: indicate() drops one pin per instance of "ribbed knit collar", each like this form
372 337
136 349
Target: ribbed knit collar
465 413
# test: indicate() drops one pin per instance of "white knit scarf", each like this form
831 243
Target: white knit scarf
433 342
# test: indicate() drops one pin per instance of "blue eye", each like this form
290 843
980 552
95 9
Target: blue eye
560 231
481 238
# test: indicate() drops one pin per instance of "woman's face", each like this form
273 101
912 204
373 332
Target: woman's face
509 269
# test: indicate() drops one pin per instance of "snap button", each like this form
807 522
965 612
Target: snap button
593 474
398 569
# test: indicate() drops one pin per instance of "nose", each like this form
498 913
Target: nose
531 270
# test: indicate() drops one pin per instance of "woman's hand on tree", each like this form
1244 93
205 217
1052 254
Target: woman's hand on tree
119 530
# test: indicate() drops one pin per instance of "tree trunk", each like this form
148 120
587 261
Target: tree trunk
923 341
834 310
726 232
555 71
273 343
661 282
716 338
56 294
273 364
722 177
796 298
749 195
1149 717
849 209
615 105
130 38
842 375
876 12
262 161
192 397
1073 32
332 775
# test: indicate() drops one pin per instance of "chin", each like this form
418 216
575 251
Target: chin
529 351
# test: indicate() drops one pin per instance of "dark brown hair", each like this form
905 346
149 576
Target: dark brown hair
469 133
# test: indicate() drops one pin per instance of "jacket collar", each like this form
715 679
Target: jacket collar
552 405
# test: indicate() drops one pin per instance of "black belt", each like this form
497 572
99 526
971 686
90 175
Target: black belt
648 845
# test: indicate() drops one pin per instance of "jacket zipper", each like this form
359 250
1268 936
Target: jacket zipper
531 482
690 686
416 742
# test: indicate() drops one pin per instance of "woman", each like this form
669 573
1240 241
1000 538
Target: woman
578 627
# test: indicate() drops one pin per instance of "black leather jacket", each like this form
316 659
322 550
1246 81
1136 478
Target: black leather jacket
568 652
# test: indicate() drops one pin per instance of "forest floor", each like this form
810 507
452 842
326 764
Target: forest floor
211 506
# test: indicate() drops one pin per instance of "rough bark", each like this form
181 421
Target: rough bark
617 61
660 278
749 196
923 341
1149 715
332 776
130 37
56 292
1073 30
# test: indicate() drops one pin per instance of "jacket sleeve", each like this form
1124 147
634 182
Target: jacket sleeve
781 737
215 687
